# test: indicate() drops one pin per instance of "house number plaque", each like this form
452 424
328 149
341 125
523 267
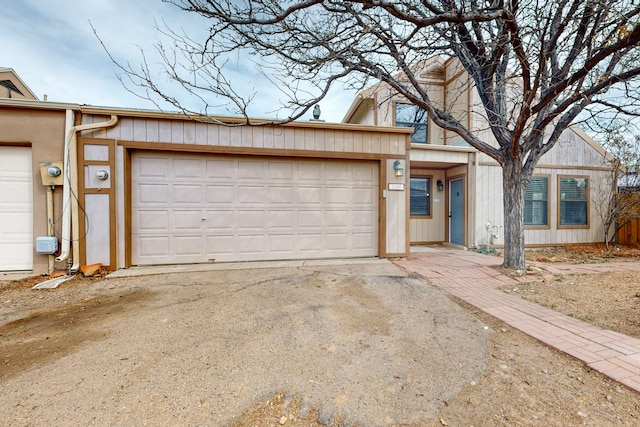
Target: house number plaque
396 187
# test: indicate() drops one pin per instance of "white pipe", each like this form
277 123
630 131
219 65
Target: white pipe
70 188
50 229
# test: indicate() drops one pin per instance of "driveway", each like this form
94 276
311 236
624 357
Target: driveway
363 339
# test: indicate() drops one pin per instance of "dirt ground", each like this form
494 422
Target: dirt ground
522 382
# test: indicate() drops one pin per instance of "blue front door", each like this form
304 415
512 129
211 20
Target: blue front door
456 211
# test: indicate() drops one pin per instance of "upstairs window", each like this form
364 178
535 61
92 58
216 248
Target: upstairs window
536 203
420 197
411 116
574 201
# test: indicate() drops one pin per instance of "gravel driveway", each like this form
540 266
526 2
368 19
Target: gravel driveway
364 340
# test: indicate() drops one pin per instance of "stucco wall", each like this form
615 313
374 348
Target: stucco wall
43 130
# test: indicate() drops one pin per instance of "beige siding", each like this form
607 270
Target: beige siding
489 207
396 212
431 229
488 199
573 150
282 138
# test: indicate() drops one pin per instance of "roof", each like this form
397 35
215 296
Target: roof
14 83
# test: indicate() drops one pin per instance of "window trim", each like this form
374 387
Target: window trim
430 189
559 203
548 225
427 123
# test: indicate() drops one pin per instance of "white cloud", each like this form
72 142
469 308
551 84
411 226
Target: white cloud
52 47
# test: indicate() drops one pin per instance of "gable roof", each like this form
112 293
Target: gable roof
12 86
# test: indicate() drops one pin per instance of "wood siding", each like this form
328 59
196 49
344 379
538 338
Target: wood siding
289 137
310 140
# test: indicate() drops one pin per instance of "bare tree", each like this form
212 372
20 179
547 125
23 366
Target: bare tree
536 65
615 196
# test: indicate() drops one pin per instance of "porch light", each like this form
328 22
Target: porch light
440 185
398 168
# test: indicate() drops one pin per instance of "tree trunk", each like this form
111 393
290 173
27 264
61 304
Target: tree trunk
514 186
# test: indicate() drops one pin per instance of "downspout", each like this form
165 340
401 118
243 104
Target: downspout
475 199
70 187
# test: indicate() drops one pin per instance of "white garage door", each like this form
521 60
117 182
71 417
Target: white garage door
203 208
16 209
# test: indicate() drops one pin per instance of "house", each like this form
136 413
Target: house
140 188
456 191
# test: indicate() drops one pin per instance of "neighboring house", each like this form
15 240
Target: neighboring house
144 187
456 191
11 86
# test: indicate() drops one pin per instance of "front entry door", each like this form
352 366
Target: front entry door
456 211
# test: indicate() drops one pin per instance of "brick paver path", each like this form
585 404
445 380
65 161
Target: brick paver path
470 277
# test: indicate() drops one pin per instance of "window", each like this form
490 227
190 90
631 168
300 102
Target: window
411 116
536 202
420 197
574 201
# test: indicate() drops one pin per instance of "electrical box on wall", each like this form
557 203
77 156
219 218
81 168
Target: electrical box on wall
46 245
51 173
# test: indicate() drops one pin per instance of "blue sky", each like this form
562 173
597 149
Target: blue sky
51 46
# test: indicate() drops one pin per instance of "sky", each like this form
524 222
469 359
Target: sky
50 44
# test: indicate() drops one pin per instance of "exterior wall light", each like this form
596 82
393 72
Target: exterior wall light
440 185
398 168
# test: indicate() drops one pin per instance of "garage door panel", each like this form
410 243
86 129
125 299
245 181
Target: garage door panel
242 209
281 243
309 172
363 174
336 241
363 240
221 170
219 194
363 196
310 219
153 246
187 193
251 244
282 220
339 172
188 220
281 171
251 194
249 170
150 220
16 193
310 195
308 242
281 195
221 245
187 245
16 209
251 220
153 167
338 196
336 218
220 220
191 168
152 193
365 219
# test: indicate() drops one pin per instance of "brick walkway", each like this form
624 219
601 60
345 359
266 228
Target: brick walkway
470 277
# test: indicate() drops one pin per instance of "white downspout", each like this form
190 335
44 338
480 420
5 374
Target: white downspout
70 187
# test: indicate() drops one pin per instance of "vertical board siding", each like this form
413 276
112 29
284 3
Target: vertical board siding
175 131
396 213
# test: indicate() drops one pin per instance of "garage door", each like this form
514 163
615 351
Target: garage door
16 209
199 208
